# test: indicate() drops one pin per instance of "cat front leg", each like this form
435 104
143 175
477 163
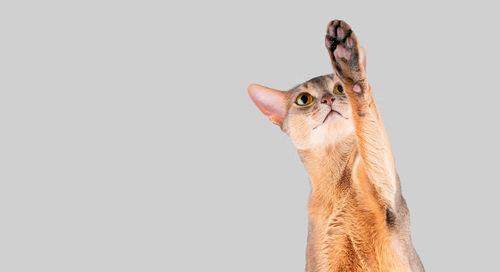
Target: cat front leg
349 63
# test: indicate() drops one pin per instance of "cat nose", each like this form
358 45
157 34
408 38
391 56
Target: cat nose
327 99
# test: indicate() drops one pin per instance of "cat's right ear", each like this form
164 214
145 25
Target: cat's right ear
270 102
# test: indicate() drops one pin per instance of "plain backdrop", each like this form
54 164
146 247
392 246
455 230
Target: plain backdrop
128 141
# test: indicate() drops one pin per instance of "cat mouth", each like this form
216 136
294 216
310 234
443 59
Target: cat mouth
331 113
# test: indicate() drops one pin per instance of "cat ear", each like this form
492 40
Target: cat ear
270 102
362 55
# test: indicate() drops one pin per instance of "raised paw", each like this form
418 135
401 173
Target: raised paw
347 56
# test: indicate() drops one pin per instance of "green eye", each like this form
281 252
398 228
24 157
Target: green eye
304 99
339 89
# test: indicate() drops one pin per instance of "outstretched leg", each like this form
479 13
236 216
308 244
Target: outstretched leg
349 62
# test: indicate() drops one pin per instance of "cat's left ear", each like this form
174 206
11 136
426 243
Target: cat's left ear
270 102
362 55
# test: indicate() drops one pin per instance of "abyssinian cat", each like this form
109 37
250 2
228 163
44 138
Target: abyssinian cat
358 219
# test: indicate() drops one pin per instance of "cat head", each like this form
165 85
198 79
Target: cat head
314 114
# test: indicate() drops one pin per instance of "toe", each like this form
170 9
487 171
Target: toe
328 43
349 42
340 33
331 30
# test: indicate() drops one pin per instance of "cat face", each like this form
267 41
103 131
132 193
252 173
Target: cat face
314 114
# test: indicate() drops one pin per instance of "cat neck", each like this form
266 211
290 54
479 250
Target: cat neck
329 169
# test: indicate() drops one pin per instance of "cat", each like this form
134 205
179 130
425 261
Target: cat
358 219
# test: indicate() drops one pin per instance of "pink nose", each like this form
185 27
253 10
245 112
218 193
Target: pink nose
328 99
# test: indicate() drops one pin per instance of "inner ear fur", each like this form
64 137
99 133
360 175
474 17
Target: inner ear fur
270 102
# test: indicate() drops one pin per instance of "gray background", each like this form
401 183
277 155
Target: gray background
128 142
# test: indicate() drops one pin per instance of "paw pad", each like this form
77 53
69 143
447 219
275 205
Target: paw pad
342 45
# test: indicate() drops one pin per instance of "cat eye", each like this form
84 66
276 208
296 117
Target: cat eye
304 99
338 89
